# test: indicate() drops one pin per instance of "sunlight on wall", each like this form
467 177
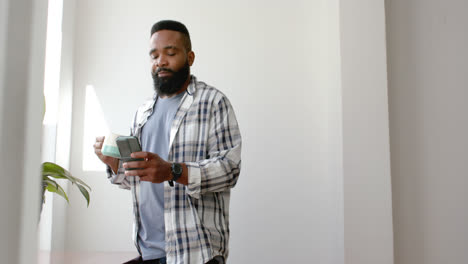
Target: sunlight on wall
94 125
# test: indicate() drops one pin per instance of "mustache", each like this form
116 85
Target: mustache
164 69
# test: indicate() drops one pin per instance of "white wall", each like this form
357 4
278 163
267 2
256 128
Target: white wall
22 48
368 234
274 61
428 79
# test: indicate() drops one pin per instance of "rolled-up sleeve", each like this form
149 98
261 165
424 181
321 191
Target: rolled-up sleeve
119 177
220 170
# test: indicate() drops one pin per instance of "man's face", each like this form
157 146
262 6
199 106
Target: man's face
170 61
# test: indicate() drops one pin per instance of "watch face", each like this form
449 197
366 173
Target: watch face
176 168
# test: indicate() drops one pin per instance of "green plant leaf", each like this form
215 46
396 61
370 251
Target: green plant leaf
84 192
53 186
62 193
79 181
46 182
56 171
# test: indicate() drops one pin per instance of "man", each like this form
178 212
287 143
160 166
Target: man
191 159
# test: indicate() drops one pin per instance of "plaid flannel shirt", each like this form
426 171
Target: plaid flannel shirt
205 136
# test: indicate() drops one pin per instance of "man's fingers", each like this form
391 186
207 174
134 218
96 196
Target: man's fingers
100 139
140 155
141 173
135 164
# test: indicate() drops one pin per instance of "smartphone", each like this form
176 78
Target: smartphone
127 145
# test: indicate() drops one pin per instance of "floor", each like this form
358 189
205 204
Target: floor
47 257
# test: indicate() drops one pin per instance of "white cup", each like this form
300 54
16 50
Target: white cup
109 147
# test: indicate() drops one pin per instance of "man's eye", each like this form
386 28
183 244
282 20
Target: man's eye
171 54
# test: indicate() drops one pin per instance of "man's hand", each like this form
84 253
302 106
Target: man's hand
111 161
152 168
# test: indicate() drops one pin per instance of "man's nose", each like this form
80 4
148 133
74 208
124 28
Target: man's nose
161 61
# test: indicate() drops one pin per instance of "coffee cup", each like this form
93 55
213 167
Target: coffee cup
109 146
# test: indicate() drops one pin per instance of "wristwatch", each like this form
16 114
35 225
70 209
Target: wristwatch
176 169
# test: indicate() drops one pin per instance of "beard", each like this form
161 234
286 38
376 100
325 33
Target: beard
172 84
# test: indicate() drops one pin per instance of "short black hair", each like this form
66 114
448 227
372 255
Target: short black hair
174 26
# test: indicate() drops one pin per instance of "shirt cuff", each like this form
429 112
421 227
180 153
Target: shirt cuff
194 179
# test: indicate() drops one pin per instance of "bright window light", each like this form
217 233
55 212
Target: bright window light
51 92
52 61
94 125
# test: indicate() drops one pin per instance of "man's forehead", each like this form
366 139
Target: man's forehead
167 37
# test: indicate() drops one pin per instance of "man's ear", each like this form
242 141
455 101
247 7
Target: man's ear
190 57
